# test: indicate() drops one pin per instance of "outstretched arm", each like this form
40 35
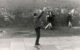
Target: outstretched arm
42 12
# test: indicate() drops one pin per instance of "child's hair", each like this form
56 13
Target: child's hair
35 14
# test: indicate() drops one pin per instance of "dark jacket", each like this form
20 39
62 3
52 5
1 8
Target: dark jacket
51 18
37 20
69 18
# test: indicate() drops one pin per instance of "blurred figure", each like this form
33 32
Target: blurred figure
50 20
37 25
57 11
69 18
64 11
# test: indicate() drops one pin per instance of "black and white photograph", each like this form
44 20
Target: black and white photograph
39 24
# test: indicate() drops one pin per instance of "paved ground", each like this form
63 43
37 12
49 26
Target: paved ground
47 43
60 40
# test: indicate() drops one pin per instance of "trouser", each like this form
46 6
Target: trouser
70 24
37 34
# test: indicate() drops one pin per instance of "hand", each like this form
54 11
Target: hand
44 8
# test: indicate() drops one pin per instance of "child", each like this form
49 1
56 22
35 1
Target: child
50 19
37 25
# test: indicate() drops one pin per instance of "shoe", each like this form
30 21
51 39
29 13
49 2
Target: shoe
37 44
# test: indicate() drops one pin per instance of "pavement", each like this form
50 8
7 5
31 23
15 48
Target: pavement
55 42
47 43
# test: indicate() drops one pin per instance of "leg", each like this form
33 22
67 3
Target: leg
47 26
37 35
70 24
52 25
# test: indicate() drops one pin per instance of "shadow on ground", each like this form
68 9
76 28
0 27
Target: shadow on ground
24 32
